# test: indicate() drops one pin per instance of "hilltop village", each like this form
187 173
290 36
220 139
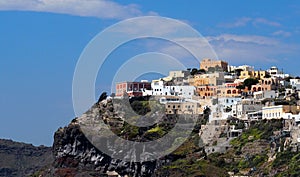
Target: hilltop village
239 93
244 122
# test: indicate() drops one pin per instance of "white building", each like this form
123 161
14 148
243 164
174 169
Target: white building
230 77
241 109
170 99
160 89
254 116
229 101
176 74
284 83
275 72
295 82
221 108
218 112
242 67
280 111
296 117
272 112
260 95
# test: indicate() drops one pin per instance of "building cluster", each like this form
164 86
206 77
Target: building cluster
228 91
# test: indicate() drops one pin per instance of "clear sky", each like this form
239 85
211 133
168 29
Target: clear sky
41 41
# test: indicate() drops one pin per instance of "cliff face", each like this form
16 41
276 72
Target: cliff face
75 155
20 159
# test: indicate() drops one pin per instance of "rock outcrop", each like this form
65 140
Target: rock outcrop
75 155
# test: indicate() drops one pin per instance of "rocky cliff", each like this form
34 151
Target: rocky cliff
75 155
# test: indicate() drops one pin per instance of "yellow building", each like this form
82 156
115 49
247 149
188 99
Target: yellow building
200 80
212 79
246 74
209 63
253 74
260 74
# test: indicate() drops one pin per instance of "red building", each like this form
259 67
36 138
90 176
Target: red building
133 89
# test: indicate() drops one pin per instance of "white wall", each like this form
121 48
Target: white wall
264 94
158 88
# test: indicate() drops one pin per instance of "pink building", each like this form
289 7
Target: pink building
133 89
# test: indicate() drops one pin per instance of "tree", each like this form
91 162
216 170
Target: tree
249 82
194 71
211 69
240 87
267 75
288 78
219 68
200 71
103 96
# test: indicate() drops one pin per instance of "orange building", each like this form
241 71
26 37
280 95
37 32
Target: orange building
265 84
209 63
206 91
229 90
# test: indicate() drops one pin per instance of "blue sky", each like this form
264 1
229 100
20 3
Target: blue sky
41 41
